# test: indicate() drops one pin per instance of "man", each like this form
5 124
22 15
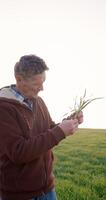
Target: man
27 135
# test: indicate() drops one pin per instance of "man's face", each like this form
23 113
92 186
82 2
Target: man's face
30 87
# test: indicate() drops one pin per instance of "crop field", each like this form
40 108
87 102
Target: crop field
80 166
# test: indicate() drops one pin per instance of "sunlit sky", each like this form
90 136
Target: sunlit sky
70 35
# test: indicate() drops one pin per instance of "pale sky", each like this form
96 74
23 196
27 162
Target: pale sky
70 35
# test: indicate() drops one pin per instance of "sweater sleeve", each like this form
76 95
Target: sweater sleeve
20 149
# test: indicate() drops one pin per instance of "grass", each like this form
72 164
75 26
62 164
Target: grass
80 166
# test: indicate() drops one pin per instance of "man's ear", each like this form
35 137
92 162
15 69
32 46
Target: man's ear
18 78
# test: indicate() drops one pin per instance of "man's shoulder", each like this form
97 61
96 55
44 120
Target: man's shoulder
6 103
40 100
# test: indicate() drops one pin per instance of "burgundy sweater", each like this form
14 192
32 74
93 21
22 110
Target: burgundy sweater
26 140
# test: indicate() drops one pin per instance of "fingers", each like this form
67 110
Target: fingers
69 126
80 117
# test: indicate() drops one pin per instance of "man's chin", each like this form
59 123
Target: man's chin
35 95
31 97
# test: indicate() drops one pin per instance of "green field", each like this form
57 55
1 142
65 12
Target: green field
80 166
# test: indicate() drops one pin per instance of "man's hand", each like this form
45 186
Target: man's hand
79 116
69 126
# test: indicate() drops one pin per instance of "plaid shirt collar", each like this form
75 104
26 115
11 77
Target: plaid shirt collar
20 97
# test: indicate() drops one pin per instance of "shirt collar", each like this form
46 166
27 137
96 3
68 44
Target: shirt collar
20 97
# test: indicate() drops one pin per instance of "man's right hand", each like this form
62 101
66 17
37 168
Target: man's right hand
69 126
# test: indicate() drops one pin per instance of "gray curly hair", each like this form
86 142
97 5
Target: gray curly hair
30 65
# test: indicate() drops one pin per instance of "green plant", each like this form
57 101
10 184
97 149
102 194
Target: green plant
81 104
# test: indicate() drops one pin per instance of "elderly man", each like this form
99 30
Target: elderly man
28 134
